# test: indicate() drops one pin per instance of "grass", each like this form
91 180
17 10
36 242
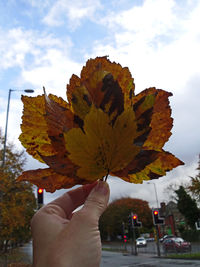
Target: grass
114 249
189 256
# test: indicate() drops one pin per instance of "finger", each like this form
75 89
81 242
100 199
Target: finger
73 198
97 201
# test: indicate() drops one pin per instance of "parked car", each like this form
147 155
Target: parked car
150 239
176 244
165 237
141 242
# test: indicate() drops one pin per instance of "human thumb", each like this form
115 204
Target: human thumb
97 200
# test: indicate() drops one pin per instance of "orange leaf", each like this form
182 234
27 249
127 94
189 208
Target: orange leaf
48 179
107 85
121 75
104 129
161 121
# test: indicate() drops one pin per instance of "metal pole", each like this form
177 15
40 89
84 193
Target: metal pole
157 241
156 195
6 129
134 242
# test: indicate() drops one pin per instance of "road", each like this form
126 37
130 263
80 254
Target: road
117 259
151 247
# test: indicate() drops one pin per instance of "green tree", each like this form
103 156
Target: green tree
187 206
195 183
17 201
117 214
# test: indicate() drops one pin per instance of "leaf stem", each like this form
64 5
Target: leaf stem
106 176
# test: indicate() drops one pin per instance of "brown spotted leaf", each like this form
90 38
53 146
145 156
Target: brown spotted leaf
160 121
103 129
121 75
163 163
106 85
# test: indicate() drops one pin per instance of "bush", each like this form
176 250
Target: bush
191 235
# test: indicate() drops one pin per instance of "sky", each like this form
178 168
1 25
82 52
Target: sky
44 42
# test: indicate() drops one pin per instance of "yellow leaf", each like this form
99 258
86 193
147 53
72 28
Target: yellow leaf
100 148
34 135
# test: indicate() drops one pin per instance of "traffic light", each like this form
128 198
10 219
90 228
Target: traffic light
40 196
136 223
156 218
125 238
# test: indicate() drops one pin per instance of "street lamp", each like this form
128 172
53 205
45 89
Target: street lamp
6 128
155 193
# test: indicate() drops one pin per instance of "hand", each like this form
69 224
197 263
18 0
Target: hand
62 238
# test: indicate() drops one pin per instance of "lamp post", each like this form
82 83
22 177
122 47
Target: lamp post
6 128
155 193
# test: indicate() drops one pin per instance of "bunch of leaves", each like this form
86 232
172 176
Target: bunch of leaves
17 201
117 214
104 129
194 186
187 206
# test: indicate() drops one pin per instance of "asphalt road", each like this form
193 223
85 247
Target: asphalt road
115 259
151 247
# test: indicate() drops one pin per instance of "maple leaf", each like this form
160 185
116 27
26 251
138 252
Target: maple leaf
104 129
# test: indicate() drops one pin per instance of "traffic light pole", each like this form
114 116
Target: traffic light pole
133 243
157 240
157 220
133 237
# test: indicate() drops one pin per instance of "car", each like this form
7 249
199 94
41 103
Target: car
165 237
150 239
141 242
176 244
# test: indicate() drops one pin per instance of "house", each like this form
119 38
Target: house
173 218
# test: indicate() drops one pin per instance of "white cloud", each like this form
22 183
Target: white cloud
18 44
73 13
42 60
159 45
147 21
52 71
13 48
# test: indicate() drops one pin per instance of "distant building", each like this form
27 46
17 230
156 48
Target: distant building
173 218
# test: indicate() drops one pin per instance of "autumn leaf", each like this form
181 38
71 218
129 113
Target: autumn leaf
101 148
104 129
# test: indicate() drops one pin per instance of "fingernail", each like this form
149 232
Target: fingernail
102 187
